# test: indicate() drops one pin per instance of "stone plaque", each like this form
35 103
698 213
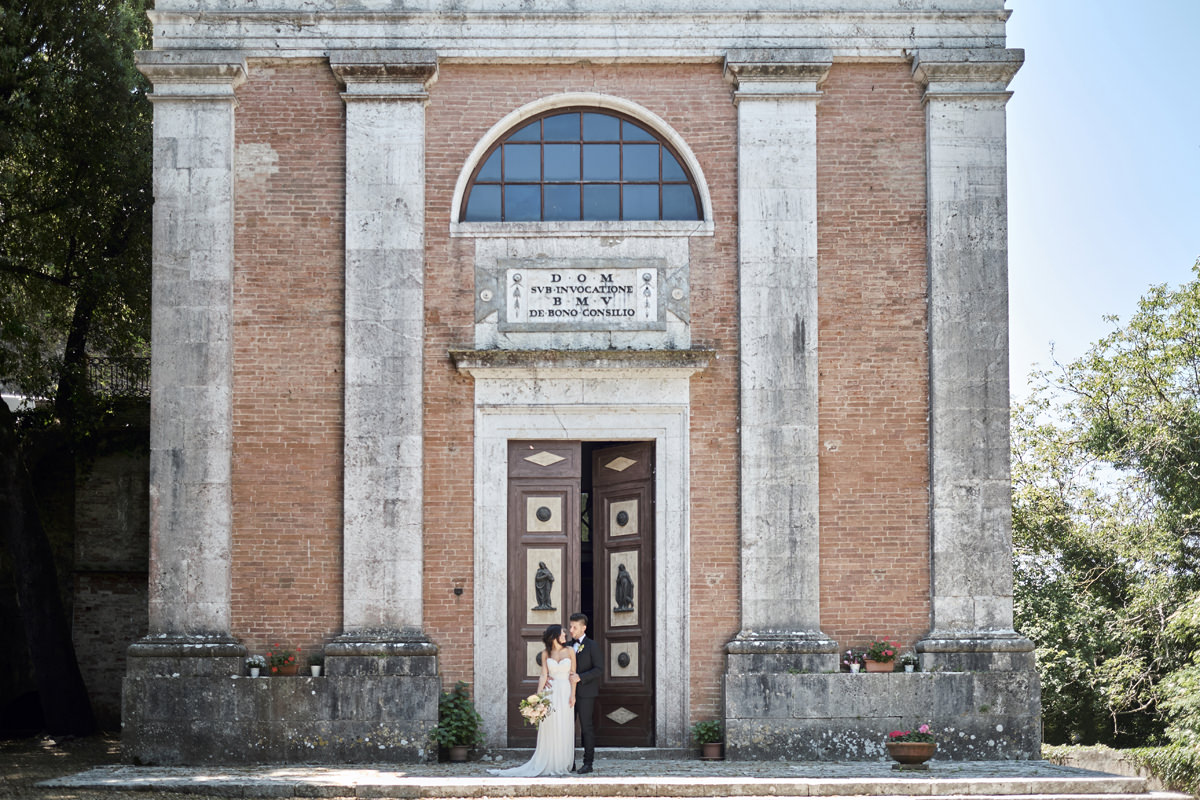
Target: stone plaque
582 298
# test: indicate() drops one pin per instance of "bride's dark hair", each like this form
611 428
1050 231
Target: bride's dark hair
551 636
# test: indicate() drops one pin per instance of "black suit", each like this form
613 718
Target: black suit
589 665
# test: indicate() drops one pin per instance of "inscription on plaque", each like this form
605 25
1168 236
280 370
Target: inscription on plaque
614 297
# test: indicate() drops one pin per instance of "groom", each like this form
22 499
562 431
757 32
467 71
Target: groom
589 666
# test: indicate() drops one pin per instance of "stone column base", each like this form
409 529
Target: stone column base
190 702
1005 652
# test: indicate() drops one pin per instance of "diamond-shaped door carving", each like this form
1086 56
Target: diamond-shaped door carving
544 458
621 716
620 464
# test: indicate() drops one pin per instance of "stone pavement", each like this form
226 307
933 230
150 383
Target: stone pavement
625 776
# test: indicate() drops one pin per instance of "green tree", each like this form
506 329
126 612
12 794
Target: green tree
75 195
74 269
1105 514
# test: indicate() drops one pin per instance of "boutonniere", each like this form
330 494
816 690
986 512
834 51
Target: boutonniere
581 646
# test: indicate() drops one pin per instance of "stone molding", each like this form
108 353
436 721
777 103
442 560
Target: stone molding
781 643
379 74
688 361
550 34
192 74
779 72
958 72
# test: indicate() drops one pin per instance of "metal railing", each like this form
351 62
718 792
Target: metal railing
119 377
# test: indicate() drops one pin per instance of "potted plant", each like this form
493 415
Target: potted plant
283 661
880 655
257 664
852 661
708 734
315 662
458 725
911 748
909 661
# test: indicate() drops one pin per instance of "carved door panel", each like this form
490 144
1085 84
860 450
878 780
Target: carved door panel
623 533
543 561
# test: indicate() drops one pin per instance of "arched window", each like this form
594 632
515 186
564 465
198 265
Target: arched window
580 164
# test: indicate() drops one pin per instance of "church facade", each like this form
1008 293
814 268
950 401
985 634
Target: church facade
688 316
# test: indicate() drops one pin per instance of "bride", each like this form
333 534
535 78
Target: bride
555 750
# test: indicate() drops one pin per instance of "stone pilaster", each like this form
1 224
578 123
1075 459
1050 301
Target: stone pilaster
191 362
776 94
970 491
385 223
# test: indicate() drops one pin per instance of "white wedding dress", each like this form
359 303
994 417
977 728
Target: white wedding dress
555 751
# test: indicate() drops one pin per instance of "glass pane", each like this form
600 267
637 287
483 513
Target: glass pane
672 171
601 162
562 162
483 204
679 203
522 203
562 202
640 202
490 171
641 162
522 162
530 133
561 128
632 133
601 202
600 127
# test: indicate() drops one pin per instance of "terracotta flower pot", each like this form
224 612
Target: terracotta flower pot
710 751
879 666
911 752
457 753
289 669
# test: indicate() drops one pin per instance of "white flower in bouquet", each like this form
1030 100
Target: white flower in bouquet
535 708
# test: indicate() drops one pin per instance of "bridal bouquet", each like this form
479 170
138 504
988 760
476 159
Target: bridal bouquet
535 708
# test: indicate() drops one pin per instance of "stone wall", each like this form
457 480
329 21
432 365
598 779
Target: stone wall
112 508
975 716
184 709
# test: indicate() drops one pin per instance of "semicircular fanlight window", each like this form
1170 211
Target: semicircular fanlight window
580 164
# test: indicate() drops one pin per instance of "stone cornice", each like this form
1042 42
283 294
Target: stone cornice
774 72
551 35
472 361
192 73
950 71
384 72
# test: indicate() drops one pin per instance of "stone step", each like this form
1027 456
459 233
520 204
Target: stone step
631 777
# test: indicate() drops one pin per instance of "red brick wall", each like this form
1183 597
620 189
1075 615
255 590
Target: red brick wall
288 355
874 394
465 102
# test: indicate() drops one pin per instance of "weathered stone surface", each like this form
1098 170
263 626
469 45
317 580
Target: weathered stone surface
236 720
842 716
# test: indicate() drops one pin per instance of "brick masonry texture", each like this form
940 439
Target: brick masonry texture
874 393
464 103
288 356
288 341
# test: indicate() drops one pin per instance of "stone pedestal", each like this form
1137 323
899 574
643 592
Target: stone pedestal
377 704
975 716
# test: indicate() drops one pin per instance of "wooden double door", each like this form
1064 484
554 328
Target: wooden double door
581 538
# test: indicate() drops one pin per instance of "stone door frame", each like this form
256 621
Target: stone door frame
640 404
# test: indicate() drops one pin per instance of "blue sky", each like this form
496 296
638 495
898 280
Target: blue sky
1104 167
